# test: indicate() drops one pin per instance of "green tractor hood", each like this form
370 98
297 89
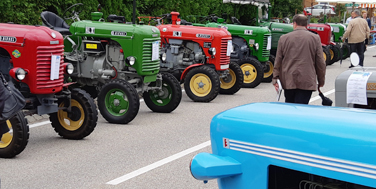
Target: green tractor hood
277 29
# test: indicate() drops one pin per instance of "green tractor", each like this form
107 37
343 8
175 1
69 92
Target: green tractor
251 49
117 63
337 32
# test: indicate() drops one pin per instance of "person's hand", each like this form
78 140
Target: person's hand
320 85
276 86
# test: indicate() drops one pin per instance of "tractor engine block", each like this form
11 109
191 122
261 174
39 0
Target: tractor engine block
180 54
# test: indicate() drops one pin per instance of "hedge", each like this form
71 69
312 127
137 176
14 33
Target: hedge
28 11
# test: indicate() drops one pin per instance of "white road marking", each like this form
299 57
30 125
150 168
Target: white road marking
370 47
158 164
175 156
325 94
39 124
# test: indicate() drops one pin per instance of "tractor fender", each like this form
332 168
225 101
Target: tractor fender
332 43
187 69
192 66
324 45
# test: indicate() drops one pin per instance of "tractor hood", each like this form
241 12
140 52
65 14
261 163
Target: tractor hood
19 34
242 29
276 27
112 30
337 26
192 32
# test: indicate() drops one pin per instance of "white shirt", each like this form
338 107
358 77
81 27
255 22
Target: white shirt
348 20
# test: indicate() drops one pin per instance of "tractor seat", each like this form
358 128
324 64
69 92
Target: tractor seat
54 22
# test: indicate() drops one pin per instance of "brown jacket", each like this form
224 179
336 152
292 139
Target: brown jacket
299 60
357 30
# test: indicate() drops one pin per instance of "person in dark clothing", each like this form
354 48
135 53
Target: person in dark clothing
356 33
299 64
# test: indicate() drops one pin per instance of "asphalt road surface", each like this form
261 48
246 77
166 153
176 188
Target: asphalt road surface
153 151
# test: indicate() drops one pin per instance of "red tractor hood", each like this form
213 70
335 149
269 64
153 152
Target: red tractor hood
192 32
14 33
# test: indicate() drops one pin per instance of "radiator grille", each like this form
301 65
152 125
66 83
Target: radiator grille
147 64
265 52
44 66
223 52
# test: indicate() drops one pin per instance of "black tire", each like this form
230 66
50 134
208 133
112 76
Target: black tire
326 55
168 98
91 90
253 72
206 76
15 141
345 51
82 120
268 71
334 54
234 80
113 113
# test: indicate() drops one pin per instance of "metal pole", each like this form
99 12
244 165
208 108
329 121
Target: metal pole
134 12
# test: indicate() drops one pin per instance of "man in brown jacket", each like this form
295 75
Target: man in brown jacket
357 32
299 63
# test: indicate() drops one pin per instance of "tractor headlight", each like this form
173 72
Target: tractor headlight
131 60
20 74
70 68
164 57
256 46
212 51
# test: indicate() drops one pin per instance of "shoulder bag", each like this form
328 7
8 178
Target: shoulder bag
11 99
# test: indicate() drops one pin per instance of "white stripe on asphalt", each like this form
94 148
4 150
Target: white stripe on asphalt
325 94
158 164
175 156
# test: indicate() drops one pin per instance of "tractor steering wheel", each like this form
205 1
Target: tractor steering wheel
75 9
235 20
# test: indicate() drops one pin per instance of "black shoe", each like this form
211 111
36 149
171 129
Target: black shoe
374 55
351 66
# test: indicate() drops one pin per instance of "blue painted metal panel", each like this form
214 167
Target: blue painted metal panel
338 143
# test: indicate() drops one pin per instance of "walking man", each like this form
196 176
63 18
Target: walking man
357 32
299 63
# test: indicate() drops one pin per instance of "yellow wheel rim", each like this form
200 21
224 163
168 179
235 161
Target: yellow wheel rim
331 53
7 137
200 85
269 72
229 81
249 72
67 122
324 56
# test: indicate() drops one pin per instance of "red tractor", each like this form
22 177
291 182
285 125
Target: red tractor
31 58
331 50
199 57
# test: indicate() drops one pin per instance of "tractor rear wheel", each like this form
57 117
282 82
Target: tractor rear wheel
168 98
345 51
81 121
118 101
326 54
233 81
334 53
202 84
14 142
268 71
252 71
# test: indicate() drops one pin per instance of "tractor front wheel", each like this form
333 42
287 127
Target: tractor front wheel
252 71
345 51
167 98
334 53
118 101
326 54
202 84
268 71
233 81
80 121
14 142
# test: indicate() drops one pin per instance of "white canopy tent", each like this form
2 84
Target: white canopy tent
246 2
347 1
